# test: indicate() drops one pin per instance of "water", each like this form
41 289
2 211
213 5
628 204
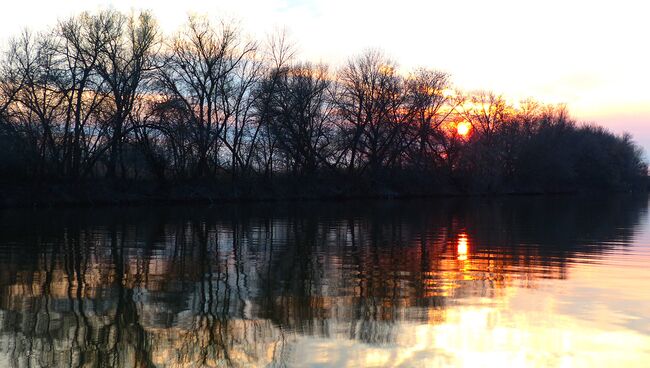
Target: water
530 281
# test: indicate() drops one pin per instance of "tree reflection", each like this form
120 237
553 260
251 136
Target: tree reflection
238 285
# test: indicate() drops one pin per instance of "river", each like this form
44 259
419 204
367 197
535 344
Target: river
507 281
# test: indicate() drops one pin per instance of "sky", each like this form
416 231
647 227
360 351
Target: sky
592 55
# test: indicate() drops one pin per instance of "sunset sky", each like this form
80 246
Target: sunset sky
593 55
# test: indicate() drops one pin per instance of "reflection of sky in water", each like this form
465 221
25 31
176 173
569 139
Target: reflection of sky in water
460 284
599 316
471 337
527 329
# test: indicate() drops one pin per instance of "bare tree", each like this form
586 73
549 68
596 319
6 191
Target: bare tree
485 111
196 75
123 63
428 106
279 54
236 105
38 97
82 39
301 117
369 99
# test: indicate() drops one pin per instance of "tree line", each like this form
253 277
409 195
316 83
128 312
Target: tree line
105 96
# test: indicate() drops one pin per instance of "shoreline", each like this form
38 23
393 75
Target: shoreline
102 195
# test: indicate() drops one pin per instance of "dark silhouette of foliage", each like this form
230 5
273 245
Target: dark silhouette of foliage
105 98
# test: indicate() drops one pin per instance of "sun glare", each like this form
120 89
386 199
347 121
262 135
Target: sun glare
463 128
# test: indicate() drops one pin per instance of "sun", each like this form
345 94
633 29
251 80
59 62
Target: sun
463 128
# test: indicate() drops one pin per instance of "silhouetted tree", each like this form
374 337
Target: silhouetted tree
300 117
123 63
429 107
369 102
197 80
106 95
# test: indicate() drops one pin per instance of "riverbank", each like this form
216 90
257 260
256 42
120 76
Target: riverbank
100 193
104 193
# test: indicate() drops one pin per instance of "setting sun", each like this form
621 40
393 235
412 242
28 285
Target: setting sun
463 128
326 183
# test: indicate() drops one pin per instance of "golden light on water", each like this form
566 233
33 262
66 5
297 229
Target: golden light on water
463 128
462 247
433 301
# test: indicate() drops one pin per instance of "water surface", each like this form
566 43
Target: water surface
535 281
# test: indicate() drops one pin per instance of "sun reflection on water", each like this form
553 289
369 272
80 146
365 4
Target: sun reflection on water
462 247
308 292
